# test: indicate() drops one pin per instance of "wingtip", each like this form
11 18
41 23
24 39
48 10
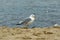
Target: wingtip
18 24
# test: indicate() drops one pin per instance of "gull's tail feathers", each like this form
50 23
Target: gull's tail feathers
20 23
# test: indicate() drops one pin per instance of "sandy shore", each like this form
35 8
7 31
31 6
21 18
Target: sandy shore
52 33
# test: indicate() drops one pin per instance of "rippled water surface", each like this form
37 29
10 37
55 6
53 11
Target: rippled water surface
12 11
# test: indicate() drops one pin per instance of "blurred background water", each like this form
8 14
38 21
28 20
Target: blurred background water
47 12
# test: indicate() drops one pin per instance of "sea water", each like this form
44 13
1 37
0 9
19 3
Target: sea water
47 12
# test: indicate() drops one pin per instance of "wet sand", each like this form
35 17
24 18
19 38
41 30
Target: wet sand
46 33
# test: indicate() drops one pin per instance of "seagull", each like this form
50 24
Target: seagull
27 21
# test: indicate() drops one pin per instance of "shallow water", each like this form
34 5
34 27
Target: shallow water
47 12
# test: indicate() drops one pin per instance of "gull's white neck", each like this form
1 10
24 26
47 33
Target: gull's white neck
32 18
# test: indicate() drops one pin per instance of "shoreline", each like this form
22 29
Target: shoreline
46 33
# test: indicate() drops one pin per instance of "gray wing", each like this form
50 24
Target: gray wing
25 21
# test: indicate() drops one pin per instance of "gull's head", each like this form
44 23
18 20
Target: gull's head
32 16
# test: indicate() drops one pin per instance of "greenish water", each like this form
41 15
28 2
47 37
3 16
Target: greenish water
13 11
